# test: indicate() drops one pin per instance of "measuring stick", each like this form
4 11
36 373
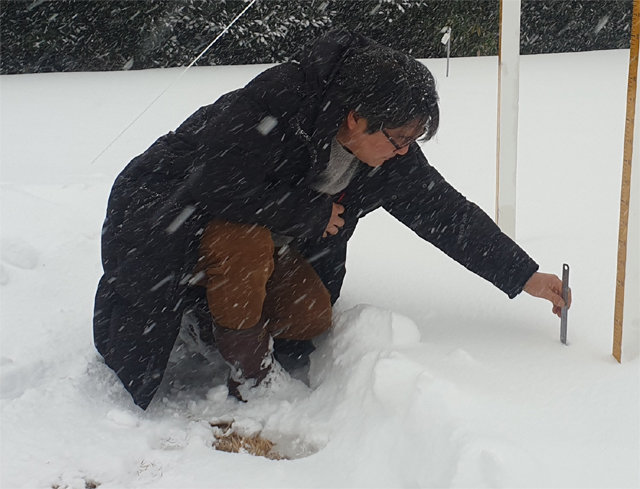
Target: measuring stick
565 297
625 188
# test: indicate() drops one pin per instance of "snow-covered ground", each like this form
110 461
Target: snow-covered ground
430 377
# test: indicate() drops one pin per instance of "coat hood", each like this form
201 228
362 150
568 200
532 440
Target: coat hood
322 59
322 114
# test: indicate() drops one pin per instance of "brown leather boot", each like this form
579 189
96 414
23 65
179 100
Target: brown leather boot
248 352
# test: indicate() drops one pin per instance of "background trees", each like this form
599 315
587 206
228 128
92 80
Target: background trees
89 35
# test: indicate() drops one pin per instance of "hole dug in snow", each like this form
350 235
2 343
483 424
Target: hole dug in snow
227 440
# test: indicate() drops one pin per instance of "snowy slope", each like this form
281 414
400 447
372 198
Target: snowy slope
430 377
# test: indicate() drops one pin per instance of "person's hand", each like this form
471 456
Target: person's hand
336 222
547 286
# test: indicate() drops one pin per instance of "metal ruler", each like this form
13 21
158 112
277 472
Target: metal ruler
565 297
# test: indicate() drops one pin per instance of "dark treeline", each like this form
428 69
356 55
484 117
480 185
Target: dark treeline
90 35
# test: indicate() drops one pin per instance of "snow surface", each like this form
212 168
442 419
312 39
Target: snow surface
430 378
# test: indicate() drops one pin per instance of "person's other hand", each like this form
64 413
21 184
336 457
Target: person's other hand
547 286
336 222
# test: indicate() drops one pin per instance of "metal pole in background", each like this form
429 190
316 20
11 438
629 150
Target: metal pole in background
446 40
508 95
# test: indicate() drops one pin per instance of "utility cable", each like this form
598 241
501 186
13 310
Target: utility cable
224 31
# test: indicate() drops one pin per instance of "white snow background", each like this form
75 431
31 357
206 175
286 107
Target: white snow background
430 377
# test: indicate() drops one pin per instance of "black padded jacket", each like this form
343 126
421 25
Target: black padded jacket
251 157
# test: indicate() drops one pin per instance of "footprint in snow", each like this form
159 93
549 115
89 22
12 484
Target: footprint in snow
18 253
75 480
4 275
16 379
486 462
148 471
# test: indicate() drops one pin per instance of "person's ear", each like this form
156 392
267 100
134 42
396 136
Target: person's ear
355 122
352 119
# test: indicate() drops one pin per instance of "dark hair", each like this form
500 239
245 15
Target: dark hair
389 89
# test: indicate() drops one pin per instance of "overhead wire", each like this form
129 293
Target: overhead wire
171 85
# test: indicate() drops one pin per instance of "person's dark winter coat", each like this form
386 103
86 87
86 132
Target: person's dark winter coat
250 158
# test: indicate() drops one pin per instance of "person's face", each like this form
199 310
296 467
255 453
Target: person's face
376 148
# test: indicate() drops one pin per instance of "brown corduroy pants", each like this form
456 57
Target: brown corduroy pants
248 280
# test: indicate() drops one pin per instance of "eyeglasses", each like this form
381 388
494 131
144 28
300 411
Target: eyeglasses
396 145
